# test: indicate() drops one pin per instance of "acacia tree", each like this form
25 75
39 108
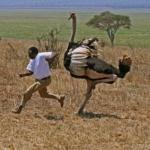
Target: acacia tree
110 23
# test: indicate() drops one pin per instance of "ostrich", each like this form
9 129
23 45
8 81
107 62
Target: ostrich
80 61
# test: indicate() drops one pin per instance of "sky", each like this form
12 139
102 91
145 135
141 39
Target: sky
75 3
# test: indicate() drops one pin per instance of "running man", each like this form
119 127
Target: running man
39 67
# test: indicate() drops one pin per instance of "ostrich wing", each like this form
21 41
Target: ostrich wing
101 66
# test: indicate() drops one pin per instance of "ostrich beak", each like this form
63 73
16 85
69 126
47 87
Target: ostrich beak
72 15
69 17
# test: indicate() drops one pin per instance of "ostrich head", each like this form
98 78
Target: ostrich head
72 16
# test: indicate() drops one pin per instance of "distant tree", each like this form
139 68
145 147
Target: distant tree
110 23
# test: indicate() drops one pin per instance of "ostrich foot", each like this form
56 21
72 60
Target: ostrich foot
80 111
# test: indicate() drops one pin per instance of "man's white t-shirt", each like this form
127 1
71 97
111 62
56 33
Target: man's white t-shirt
39 66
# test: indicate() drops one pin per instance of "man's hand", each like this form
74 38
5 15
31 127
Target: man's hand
29 73
21 75
50 60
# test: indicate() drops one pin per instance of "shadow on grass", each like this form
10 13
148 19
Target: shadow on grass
49 117
91 115
54 117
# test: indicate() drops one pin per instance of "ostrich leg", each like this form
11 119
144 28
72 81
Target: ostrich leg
87 95
91 85
111 79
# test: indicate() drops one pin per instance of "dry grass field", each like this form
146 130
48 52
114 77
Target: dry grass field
117 116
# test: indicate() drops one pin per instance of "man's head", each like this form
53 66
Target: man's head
32 52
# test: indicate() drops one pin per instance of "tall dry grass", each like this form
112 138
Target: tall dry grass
117 118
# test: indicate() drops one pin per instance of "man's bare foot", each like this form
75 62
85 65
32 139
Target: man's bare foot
17 109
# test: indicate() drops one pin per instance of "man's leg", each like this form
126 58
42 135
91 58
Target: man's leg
26 96
43 93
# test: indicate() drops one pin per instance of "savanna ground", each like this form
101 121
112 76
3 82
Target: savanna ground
117 116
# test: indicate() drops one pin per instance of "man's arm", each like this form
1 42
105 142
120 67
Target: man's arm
52 57
28 73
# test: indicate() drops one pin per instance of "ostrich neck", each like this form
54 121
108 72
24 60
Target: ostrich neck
73 29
